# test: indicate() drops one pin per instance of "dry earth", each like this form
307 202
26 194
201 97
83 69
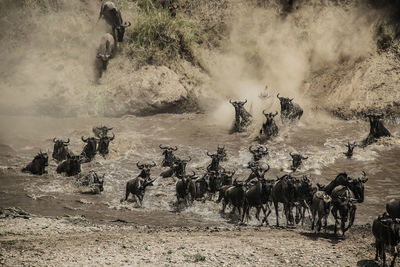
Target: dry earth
73 241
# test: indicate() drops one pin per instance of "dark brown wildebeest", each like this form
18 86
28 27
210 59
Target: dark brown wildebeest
113 17
71 166
60 150
242 117
104 143
257 196
343 200
169 157
100 131
258 152
289 110
234 195
221 152
296 160
269 128
386 231
350 148
321 206
377 129
38 164
178 169
186 189
284 192
393 208
214 165
90 149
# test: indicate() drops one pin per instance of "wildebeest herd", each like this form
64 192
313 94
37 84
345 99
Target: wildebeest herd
296 193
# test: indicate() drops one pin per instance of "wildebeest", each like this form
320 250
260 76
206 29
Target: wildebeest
296 160
303 194
242 117
350 148
186 189
169 157
283 191
105 51
137 187
321 207
226 177
100 131
113 17
393 208
103 144
178 168
258 152
377 129
289 110
221 152
71 166
269 128
38 164
214 165
343 200
60 150
386 231
92 181
90 149
257 196
234 195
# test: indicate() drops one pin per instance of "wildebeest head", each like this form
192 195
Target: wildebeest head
270 117
145 169
104 58
101 131
169 157
73 165
296 160
227 177
90 149
258 152
42 159
221 152
357 186
238 104
60 149
103 144
286 103
121 30
214 165
180 167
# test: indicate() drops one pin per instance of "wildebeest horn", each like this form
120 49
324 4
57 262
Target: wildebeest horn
245 101
83 139
126 24
193 175
109 129
67 142
112 138
276 113
264 112
163 147
250 149
230 101
153 164
208 154
291 99
304 157
278 96
364 174
140 166
54 139
291 154
190 158
174 149
267 169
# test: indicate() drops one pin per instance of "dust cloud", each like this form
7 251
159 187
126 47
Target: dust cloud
267 47
48 52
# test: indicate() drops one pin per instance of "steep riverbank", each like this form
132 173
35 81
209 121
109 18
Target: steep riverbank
69 241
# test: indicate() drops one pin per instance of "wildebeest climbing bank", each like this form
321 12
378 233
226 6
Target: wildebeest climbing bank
215 133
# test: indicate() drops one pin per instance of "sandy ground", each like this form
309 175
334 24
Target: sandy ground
28 240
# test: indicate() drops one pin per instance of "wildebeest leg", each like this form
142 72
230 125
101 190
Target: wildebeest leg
352 216
383 254
265 214
334 213
326 222
395 255
276 213
314 212
319 222
127 193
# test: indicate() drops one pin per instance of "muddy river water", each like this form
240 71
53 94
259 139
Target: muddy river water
138 139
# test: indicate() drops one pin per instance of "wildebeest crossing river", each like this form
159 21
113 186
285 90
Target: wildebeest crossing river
138 139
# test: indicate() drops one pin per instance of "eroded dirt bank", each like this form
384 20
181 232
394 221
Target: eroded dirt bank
74 241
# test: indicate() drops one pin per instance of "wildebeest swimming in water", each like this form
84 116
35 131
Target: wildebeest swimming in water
38 164
386 231
296 160
92 181
221 152
350 148
60 150
90 149
289 111
259 152
178 168
186 188
242 117
169 157
393 208
105 52
113 17
377 129
100 131
71 166
104 141
269 128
